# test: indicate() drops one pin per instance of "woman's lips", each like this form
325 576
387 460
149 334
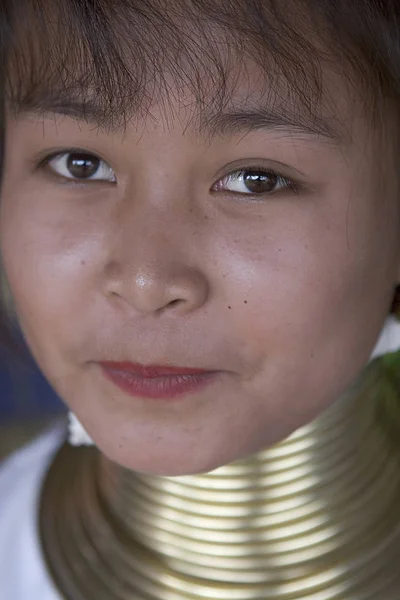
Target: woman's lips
157 382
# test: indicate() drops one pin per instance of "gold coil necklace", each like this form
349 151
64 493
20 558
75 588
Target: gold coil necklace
316 517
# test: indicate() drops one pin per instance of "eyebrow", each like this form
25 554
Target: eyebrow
224 123
276 119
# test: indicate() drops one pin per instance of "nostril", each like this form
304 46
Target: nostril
170 305
174 303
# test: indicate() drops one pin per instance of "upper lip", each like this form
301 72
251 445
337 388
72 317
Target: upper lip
152 371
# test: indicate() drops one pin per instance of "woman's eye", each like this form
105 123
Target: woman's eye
80 166
256 182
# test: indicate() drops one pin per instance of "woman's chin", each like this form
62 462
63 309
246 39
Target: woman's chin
163 462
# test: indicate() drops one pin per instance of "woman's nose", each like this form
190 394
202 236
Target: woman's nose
151 269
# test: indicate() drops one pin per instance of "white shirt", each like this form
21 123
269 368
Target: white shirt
23 573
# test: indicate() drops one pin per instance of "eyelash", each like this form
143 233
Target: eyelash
44 165
286 183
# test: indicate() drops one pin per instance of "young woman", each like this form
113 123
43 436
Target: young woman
199 229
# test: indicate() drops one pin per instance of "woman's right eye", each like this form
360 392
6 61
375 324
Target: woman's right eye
80 166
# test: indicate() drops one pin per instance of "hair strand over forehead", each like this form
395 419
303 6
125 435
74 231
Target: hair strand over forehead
127 53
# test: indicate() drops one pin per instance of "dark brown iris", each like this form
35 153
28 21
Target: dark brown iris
82 166
259 182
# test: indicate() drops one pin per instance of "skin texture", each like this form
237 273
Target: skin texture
285 294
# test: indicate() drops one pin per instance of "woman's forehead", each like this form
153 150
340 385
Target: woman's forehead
116 71
243 99
237 119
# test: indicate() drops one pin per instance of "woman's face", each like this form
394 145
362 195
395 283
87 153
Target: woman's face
263 252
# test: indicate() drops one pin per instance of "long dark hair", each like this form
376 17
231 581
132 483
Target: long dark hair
7 336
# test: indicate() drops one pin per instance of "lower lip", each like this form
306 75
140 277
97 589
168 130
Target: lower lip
158 388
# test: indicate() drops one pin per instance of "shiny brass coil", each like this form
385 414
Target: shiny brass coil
316 517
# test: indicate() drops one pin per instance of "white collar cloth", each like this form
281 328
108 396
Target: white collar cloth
23 575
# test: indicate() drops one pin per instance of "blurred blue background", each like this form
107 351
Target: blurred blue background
24 392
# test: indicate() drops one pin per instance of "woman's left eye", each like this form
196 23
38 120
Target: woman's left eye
254 182
80 166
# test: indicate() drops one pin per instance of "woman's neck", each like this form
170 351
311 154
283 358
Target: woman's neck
315 517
